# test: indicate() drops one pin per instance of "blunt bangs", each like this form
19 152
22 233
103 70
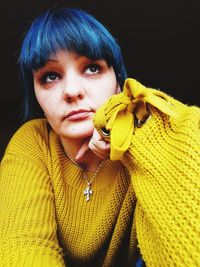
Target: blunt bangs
72 30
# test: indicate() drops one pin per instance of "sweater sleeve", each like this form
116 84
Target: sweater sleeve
162 155
164 163
27 225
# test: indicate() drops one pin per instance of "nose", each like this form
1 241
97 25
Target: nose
73 90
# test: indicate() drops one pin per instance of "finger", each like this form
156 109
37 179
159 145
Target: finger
83 149
99 145
101 155
98 141
96 135
100 148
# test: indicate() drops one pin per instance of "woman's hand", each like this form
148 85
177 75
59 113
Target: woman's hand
96 144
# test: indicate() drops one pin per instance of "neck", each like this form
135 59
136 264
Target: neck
89 162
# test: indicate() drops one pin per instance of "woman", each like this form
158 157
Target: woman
63 201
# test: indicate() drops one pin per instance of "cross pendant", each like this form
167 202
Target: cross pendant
87 192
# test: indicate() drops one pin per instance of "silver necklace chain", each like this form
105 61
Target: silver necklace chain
88 190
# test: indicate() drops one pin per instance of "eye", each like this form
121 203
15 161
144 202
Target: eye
92 69
50 77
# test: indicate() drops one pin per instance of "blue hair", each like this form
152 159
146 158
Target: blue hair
67 29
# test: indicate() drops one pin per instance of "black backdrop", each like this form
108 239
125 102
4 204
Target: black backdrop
159 41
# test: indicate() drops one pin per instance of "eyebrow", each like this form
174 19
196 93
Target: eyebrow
52 60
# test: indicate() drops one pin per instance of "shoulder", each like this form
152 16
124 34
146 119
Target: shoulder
30 139
34 126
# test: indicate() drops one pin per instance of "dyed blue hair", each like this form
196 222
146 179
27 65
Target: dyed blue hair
69 29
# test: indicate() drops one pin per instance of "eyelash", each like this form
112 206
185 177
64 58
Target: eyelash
45 76
96 66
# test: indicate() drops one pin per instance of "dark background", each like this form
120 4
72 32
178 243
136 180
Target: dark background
159 41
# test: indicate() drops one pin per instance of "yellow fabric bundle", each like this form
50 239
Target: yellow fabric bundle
117 113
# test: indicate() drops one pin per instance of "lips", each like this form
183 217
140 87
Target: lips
76 115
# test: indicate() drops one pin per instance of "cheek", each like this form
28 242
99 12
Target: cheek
46 102
43 104
107 90
40 98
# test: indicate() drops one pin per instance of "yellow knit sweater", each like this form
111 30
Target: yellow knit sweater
45 220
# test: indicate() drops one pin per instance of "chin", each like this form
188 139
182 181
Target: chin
80 132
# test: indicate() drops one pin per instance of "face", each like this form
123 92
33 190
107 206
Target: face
70 88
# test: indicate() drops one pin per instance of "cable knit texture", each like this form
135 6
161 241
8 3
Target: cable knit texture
149 193
163 159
